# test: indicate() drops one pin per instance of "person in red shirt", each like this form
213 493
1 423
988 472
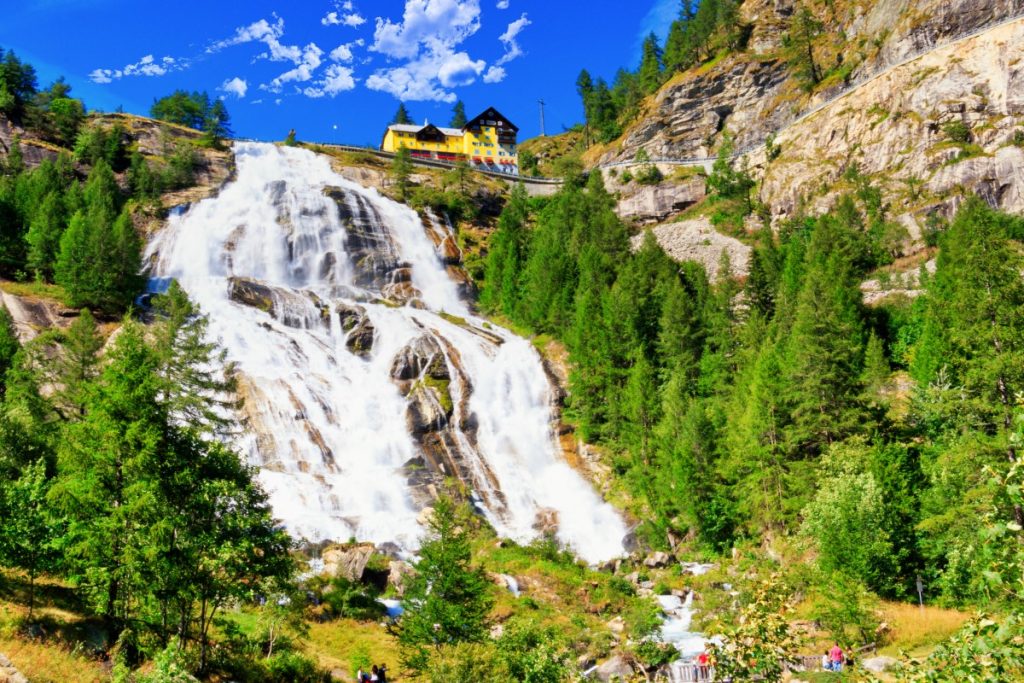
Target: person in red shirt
835 655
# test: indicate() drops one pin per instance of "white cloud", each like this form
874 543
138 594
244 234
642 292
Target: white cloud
426 44
508 39
336 79
147 66
305 66
343 53
264 32
459 69
502 4
428 76
234 86
495 74
432 23
352 19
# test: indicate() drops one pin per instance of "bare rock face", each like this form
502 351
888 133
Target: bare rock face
546 521
253 293
368 245
360 340
423 356
399 573
696 240
615 668
653 204
347 561
893 128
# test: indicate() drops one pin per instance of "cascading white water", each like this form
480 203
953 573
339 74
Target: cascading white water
327 426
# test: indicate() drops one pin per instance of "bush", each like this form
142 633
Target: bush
1018 137
352 600
957 131
649 175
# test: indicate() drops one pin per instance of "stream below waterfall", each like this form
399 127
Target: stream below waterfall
367 380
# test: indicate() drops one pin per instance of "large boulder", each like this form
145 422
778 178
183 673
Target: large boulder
429 408
880 664
399 573
613 668
653 204
422 356
253 293
360 338
347 561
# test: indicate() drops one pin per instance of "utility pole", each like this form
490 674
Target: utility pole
541 103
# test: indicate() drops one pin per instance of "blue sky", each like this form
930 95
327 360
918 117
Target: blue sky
335 69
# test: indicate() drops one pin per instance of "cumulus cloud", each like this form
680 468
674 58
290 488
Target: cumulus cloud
508 39
502 4
353 19
426 44
336 79
495 74
431 23
343 53
147 66
311 58
234 86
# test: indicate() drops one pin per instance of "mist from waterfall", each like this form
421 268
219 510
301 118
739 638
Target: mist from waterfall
328 427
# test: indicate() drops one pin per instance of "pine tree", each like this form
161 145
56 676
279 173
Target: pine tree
650 65
103 490
458 115
29 534
402 115
876 367
824 359
15 162
43 236
217 123
78 363
798 43
401 170
507 254
197 391
447 601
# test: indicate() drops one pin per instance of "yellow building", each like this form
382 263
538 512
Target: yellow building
486 142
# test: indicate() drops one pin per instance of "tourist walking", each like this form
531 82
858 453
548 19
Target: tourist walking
835 656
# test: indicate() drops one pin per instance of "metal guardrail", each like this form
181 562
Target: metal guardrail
853 85
434 163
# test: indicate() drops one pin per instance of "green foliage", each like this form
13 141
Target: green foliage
983 650
402 115
957 131
650 64
798 44
530 653
29 531
289 140
183 108
458 115
762 642
401 170
447 601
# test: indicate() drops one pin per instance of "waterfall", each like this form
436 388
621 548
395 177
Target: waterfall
366 378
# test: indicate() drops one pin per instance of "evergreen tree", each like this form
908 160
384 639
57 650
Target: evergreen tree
447 601
142 182
78 364
824 359
402 115
197 391
43 236
506 254
458 115
650 64
103 490
15 163
29 534
217 123
401 170
798 44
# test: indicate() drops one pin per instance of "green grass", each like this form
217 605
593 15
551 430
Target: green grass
36 289
59 651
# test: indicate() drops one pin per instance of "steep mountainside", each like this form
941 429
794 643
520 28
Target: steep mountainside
924 97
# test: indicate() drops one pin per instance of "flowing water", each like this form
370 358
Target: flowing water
366 377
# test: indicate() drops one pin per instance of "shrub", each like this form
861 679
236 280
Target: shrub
649 175
957 131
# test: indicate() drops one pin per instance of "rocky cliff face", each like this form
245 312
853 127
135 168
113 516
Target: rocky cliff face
925 128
